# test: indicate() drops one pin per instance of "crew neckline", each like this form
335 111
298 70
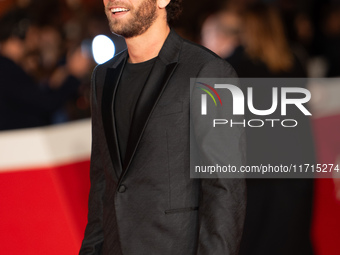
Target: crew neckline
141 63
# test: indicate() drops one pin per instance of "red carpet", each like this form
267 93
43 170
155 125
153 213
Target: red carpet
44 211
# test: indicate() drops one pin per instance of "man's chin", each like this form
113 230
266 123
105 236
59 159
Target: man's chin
117 30
126 33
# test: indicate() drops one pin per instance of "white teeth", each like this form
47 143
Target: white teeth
115 10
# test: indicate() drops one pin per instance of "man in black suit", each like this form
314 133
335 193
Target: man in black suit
142 199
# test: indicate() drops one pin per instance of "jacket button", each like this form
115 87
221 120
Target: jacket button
122 188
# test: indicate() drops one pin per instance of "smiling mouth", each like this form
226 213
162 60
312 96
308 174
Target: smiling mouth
118 10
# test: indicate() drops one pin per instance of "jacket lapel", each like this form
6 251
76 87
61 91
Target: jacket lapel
164 66
112 78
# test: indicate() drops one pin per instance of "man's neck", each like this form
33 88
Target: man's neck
147 46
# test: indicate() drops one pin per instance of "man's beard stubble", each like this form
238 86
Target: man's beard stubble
142 18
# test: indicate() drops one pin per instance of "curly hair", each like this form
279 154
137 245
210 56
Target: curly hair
174 10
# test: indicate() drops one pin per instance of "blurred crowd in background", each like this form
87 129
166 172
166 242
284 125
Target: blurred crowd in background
46 61
51 42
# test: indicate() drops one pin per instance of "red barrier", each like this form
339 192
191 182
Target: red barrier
326 223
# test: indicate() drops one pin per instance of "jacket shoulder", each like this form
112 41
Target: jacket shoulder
199 50
207 61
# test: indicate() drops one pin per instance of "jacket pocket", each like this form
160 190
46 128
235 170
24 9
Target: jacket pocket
181 210
172 108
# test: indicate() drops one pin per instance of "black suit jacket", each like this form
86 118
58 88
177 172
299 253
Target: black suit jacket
148 204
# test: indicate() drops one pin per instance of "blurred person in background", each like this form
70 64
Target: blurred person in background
23 103
221 32
264 51
279 211
331 39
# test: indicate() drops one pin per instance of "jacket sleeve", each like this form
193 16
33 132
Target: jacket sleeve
93 239
222 198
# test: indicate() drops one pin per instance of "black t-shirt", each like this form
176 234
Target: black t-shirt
130 87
